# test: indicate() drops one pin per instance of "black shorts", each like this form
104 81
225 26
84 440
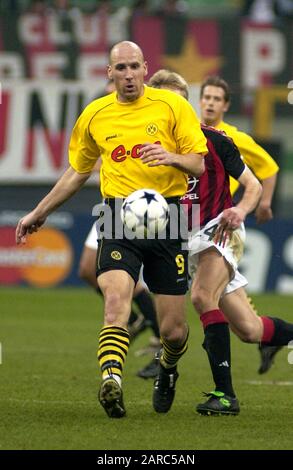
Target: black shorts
164 262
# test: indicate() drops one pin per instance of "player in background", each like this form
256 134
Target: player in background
213 257
214 103
132 158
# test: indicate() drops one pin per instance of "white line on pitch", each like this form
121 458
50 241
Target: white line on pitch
269 382
43 402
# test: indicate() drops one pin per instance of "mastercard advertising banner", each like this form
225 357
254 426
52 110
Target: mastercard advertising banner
49 258
45 260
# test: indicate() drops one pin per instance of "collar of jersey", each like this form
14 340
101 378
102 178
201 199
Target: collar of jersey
140 100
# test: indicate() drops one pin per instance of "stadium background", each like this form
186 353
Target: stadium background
52 63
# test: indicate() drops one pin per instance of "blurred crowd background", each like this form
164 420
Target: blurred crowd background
257 10
53 57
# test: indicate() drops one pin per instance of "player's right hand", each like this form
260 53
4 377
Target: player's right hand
232 218
30 223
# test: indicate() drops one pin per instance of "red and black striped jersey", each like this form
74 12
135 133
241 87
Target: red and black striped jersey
212 190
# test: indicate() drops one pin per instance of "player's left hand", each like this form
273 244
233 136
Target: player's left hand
263 213
155 155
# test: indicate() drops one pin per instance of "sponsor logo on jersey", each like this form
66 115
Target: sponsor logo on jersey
113 136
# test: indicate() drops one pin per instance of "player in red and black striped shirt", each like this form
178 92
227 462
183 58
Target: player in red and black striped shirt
212 190
216 245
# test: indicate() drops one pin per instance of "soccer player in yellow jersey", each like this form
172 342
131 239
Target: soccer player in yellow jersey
214 102
146 138
145 316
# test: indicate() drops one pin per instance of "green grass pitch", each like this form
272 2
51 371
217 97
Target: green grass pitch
49 380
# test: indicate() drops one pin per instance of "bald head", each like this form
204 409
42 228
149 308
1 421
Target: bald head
127 69
125 47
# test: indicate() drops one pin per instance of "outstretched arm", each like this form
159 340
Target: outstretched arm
69 183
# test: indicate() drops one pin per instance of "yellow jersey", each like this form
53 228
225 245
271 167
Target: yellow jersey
255 157
115 131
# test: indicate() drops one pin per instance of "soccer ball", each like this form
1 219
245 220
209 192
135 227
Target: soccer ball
145 212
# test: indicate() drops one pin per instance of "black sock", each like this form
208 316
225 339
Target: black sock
217 346
283 333
133 317
145 304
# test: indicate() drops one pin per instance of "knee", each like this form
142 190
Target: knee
175 336
112 300
200 298
116 307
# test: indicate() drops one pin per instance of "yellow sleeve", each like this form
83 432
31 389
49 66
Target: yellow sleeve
234 185
255 157
189 136
83 150
258 160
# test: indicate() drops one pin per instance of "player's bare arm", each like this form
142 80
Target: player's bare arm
234 216
69 183
263 212
155 155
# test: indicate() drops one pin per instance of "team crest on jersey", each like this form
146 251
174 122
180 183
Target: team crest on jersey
116 255
152 128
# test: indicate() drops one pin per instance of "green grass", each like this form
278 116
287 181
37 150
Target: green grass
49 380
288 161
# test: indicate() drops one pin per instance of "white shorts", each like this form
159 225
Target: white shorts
91 240
231 248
